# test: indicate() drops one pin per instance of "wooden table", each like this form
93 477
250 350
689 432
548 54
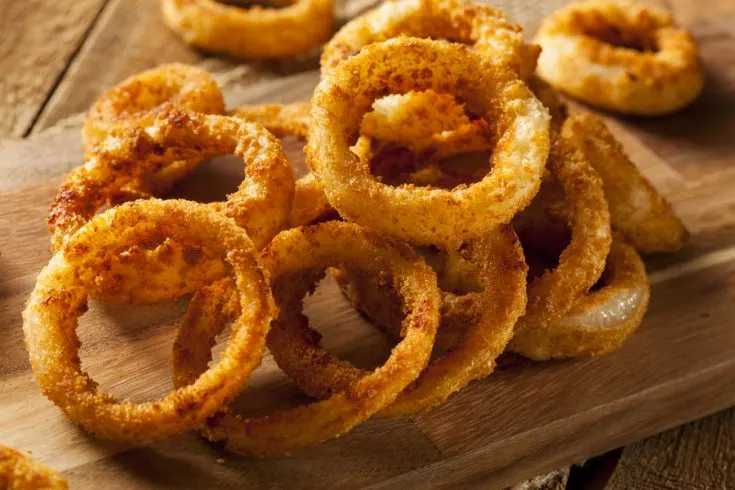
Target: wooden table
56 57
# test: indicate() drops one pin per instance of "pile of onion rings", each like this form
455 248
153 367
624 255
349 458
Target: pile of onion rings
457 203
305 249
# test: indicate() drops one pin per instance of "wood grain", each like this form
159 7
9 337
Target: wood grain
697 456
129 37
38 40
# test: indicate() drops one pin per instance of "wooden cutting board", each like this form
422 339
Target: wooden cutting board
525 419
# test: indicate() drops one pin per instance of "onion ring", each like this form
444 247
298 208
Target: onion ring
59 297
637 210
303 250
178 85
255 32
550 99
426 123
581 263
20 472
483 294
261 205
427 216
472 23
620 55
600 321
280 119
309 203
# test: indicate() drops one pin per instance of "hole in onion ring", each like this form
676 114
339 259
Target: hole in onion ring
222 175
142 335
267 389
543 228
405 136
397 165
620 38
345 333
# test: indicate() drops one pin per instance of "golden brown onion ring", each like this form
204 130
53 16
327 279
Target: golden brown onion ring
177 85
582 261
256 32
19 472
620 55
483 294
601 320
280 119
60 296
302 251
309 203
551 100
428 124
476 24
637 210
261 204
427 216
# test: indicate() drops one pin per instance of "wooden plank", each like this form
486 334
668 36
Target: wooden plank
569 440
187 462
130 37
697 456
38 40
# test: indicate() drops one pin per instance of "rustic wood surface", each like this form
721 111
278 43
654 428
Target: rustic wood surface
697 456
524 420
38 40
